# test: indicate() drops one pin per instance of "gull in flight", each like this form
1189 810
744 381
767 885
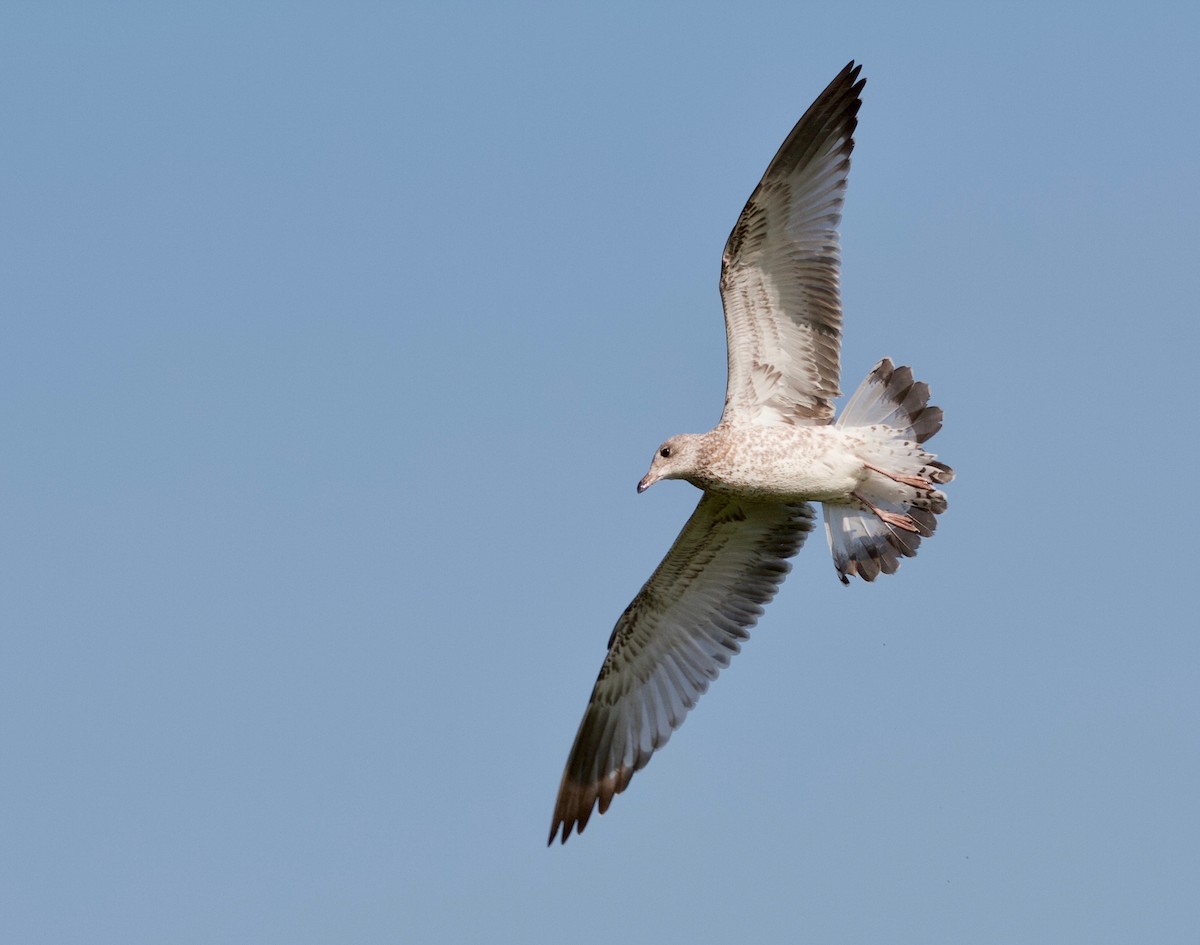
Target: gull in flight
777 448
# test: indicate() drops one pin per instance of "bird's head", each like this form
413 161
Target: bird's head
677 458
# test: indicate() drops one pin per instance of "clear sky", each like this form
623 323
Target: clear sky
335 339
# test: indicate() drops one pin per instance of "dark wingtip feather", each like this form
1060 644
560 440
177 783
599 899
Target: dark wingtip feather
835 108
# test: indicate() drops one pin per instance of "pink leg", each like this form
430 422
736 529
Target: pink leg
890 518
917 482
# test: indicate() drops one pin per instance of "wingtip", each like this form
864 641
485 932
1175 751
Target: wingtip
566 824
850 73
850 77
577 802
571 811
565 831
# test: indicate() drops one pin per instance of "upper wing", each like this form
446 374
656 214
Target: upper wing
680 631
779 272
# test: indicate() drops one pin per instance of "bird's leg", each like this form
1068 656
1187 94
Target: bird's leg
889 518
917 482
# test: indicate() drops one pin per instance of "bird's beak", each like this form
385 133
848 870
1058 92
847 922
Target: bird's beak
648 480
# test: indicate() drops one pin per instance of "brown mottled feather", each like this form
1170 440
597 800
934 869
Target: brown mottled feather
780 270
680 631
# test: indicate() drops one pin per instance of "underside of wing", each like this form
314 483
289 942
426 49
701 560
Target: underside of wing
780 270
680 631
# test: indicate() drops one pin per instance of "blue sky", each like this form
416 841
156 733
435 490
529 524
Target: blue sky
336 339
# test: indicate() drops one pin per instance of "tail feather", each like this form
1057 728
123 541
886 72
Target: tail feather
892 416
890 397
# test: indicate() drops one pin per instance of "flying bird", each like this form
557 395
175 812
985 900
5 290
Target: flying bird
776 449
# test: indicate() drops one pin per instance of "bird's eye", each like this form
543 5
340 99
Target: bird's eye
665 452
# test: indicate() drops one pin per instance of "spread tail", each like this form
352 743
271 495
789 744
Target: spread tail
899 503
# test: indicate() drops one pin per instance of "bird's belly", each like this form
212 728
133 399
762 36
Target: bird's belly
815 463
825 478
